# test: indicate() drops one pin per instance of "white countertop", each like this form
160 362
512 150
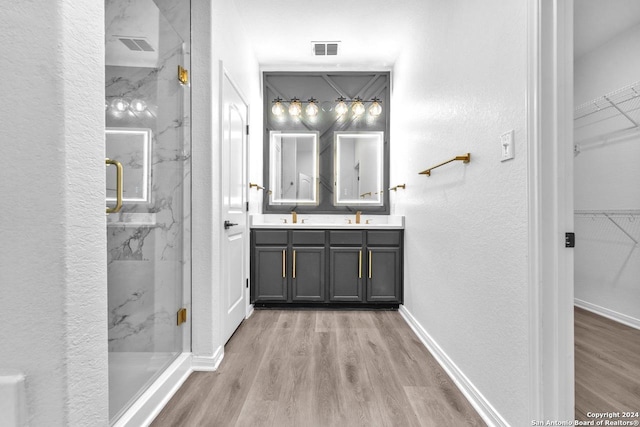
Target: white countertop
322 222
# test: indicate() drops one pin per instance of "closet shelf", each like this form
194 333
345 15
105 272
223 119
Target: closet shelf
610 115
610 214
616 212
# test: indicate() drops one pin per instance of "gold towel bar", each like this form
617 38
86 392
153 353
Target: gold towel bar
465 159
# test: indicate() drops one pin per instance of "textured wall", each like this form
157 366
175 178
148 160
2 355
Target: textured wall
459 86
607 264
53 249
217 36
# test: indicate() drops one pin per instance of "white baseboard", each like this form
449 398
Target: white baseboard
206 363
250 311
609 314
151 402
473 395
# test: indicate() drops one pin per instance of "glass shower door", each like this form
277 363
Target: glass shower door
146 110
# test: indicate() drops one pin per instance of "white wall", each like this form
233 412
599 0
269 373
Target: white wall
455 90
607 265
217 35
53 246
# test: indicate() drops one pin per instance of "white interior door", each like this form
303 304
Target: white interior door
234 193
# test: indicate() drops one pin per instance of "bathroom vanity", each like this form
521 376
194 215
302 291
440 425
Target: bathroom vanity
327 264
323 167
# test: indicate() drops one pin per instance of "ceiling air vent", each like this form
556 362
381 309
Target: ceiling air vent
136 43
325 48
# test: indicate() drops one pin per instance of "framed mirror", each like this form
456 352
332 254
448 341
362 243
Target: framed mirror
132 148
358 168
293 169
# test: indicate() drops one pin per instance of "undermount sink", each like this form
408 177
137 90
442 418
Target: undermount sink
326 221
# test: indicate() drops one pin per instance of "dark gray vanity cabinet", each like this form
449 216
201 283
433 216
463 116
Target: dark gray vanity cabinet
269 265
346 264
328 267
384 260
308 266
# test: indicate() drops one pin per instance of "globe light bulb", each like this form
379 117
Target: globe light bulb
376 109
138 105
295 107
277 108
358 107
120 105
341 107
312 109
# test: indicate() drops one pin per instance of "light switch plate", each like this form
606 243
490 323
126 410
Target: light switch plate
507 146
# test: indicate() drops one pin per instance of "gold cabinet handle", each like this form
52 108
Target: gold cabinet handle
284 263
369 264
119 188
360 264
294 264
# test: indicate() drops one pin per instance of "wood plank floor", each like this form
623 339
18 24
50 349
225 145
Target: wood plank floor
321 368
607 361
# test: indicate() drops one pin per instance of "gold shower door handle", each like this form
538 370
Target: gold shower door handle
284 263
360 264
369 264
119 187
294 264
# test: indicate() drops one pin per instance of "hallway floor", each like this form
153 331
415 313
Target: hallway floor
321 368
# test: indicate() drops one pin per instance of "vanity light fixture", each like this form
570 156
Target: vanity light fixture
357 106
295 107
312 108
341 108
119 105
278 108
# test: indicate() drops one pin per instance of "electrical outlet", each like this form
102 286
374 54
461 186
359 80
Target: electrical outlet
507 146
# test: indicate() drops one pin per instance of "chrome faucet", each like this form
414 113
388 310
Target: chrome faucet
358 213
294 217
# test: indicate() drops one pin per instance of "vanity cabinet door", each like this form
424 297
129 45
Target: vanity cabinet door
307 277
346 266
384 274
270 264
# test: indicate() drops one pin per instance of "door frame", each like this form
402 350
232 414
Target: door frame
550 194
224 73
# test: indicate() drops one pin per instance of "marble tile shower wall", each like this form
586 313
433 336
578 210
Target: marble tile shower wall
149 257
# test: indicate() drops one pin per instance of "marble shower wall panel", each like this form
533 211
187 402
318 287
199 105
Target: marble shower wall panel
148 262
